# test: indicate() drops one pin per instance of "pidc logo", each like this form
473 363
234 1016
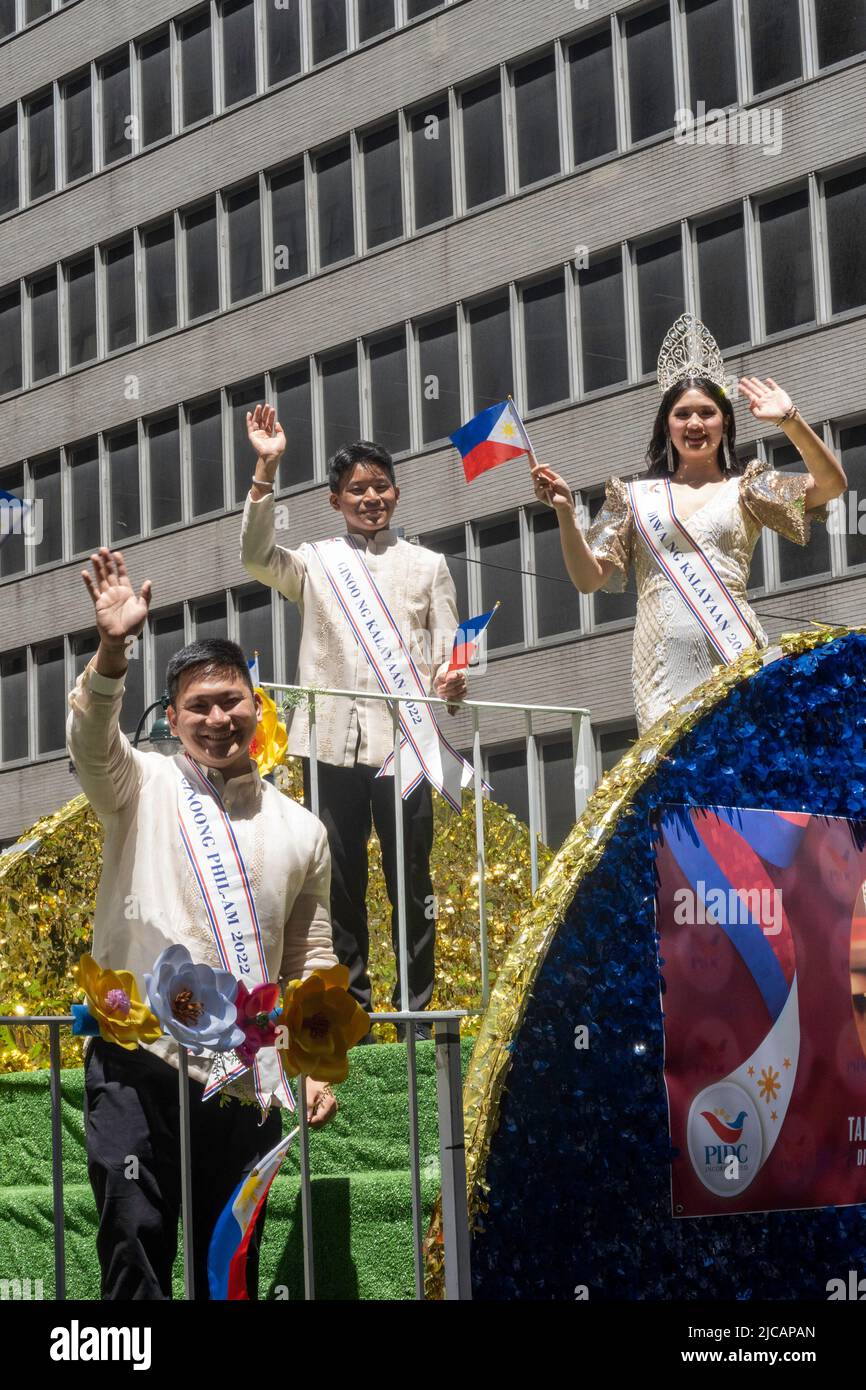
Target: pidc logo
724 1138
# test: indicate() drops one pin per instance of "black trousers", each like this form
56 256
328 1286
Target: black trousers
132 1111
351 802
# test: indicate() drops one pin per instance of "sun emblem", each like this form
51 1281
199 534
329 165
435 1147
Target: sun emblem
768 1084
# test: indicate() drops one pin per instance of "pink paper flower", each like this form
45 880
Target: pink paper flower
254 1019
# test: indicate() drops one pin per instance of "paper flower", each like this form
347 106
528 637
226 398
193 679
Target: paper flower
115 1004
254 1016
271 740
323 1022
195 1003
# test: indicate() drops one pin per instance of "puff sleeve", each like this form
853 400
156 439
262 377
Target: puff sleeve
778 500
611 535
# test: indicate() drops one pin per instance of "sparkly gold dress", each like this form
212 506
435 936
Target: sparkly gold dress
671 655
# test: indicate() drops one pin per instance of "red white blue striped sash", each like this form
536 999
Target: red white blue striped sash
689 569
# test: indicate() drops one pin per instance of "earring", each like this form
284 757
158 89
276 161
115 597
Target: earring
670 454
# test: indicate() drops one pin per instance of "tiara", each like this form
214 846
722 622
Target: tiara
690 350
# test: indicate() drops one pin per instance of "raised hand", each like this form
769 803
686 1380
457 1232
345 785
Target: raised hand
266 436
552 490
767 400
118 612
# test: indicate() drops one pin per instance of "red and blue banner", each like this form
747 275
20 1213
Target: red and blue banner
492 437
759 915
466 639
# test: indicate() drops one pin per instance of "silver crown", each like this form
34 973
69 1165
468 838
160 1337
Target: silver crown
690 350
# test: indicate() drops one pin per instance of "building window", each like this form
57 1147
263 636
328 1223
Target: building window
43 326
163 454
852 447
202 261
603 353
537 120
415 8
483 143
122 450
556 599
501 578
335 200
196 66
7 18
168 638
209 619
255 629
289 213
786 254
45 473
8 159
661 297
10 341
155 71
78 127
39 118
239 50
13 699
340 400
12 557
724 296
120 295
389 390
431 164
294 404
206 458
506 772
846 217
35 9
383 188
614 745
160 278
612 607
81 291
452 544
284 40
545 334
593 103
557 764
374 17
116 131
650 73
83 464
51 709
775 43
245 243
841 30
328 19
799 561
440 378
490 332
292 639
712 55
242 399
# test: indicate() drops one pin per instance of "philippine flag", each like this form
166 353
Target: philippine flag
253 664
227 1256
493 437
466 639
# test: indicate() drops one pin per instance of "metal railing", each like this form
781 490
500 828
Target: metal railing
533 768
452 1159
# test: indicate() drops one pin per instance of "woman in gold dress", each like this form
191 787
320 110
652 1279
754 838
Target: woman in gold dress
690 526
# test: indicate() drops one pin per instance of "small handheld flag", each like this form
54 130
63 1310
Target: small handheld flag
466 639
229 1246
493 437
253 665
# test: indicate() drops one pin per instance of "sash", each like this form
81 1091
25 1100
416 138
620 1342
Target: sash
221 874
690 570
424 749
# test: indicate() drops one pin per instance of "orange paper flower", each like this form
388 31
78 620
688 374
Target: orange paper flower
269 745
115 1003
323 1022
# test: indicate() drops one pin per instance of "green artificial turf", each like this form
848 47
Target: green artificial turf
359 1165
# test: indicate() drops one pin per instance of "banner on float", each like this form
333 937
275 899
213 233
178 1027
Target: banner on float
761 925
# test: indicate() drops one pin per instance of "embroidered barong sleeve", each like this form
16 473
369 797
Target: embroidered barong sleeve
262 558
610 536
442 619
307 942
105 761
778 500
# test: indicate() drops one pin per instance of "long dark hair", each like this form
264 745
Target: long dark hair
657 454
